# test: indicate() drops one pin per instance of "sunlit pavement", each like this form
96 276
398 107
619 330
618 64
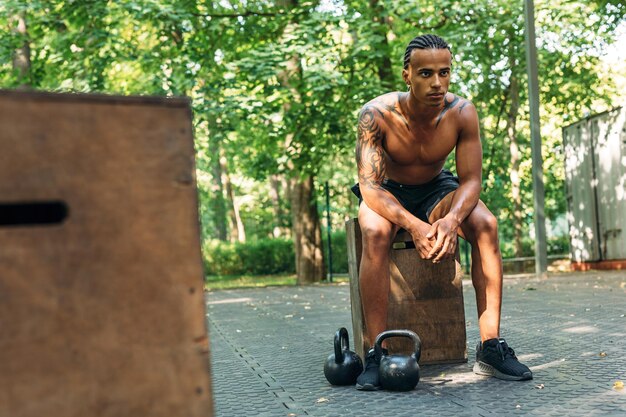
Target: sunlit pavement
268 347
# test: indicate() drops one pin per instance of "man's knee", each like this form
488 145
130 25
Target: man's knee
377 238
482 222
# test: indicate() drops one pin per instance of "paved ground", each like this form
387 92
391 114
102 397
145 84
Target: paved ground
269 346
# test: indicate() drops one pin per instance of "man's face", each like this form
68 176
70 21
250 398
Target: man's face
428 75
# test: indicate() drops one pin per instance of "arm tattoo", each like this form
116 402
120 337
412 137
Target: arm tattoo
447 105
465 103
370 157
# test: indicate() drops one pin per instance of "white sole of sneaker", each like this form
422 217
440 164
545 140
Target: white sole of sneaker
481 368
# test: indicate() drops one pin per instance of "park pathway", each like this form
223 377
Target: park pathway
268 347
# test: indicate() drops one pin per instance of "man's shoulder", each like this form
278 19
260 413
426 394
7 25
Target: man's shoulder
381 104
387 99
454 100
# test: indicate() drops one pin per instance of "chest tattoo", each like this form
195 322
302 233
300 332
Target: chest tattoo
392 109
447 105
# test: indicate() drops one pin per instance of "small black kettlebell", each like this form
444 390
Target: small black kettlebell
343 366
398 372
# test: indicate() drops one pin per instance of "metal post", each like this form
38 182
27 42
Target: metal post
328 227
541 261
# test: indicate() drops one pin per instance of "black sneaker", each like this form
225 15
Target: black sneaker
495 358
368 380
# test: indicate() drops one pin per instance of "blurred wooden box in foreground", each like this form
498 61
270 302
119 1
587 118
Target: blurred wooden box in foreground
101 283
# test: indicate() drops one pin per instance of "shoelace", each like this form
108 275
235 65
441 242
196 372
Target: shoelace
505 351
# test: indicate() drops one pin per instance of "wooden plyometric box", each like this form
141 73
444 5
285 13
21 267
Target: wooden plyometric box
424 297
101 283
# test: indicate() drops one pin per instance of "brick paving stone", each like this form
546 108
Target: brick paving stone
268 347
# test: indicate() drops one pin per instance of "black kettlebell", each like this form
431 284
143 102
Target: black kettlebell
343 366
398 372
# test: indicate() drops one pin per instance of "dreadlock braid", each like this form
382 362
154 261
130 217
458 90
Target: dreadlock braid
424 42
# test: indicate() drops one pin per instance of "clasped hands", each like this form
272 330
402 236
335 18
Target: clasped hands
437 241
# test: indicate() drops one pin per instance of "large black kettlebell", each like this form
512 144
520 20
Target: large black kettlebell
398 372
343 366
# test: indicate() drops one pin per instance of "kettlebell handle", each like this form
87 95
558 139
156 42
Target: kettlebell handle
398 333
341 344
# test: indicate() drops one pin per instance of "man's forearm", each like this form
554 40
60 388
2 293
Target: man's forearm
386 205
464 200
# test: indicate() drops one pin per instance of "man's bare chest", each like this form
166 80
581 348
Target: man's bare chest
424 148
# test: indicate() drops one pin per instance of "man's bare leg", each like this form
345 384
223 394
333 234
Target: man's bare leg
480 229
493 355
377 233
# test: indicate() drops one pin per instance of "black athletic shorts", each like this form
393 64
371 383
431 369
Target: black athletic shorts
421 199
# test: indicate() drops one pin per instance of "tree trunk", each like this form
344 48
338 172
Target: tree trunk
217 189
307 235
515 173
21 56
279 228
238 234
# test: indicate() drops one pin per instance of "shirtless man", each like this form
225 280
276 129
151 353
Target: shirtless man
403 142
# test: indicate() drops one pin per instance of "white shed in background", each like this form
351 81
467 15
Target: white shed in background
595 178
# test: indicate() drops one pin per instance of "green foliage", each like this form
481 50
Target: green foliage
557 245
220 258
340 251
259 257
297 110
276 86
247 281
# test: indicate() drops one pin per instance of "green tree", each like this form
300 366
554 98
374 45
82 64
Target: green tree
276 86
290 120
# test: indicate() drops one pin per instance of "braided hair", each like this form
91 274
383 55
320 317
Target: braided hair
424 42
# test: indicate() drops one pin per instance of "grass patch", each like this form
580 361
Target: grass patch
226 282
221 282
